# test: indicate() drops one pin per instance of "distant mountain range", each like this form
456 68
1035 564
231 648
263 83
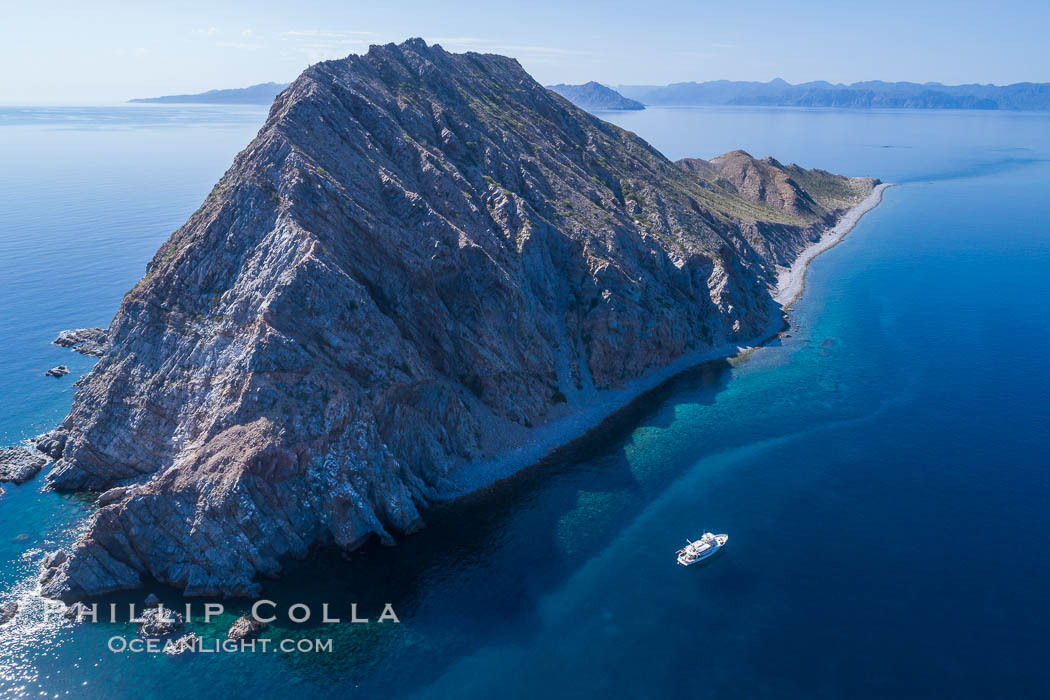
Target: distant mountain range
864 95
871 94
595 97
261 94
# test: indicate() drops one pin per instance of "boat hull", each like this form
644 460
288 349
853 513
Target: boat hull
718 546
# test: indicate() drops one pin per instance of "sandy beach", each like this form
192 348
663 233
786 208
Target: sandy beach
584 417
792 280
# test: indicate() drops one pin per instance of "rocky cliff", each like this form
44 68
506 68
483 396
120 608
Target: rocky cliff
421 258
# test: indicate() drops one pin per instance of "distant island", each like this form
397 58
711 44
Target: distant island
261 94
864 95
595 97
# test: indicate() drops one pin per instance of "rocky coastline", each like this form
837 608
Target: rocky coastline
590 418
791 282
426 273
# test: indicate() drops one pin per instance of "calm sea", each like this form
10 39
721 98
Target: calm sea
882 472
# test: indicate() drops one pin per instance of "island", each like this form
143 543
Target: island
425 273
595 97
261 94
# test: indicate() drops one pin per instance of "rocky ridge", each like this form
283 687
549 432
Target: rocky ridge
422 258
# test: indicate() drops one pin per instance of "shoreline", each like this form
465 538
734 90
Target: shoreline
561 433
791 282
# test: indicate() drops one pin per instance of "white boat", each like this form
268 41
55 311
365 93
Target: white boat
701 549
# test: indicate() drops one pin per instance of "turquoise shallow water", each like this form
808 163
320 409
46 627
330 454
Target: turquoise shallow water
881 472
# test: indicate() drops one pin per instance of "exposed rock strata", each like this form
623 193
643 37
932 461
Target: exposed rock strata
52 444
421 258
117 493
55 558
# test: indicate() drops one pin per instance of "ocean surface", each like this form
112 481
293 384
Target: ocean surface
881 471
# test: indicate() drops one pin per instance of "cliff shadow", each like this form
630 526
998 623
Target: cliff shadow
476 575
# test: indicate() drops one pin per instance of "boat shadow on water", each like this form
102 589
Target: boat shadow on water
707 561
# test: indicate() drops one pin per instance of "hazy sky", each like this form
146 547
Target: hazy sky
63 52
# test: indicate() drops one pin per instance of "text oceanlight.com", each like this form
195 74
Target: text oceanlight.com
136 645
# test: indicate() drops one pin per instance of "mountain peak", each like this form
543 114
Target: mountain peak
595 97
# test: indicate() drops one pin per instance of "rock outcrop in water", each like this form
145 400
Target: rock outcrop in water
421 260
158 622
18 465
245 627
86 341
8 611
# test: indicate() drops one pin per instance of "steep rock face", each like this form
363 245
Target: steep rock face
421 258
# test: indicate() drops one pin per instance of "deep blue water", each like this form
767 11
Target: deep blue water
882 472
